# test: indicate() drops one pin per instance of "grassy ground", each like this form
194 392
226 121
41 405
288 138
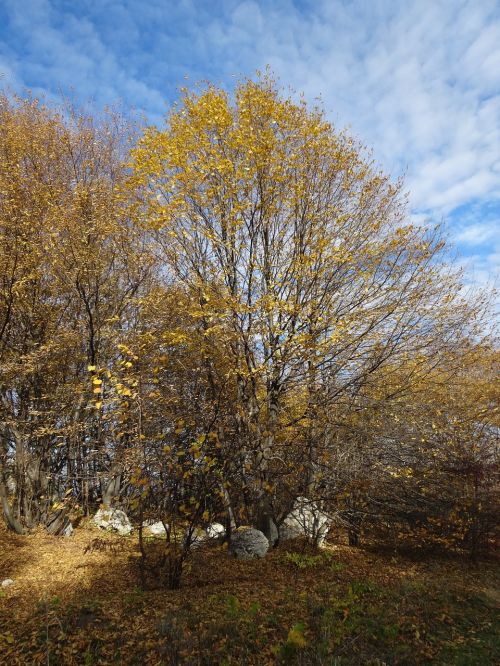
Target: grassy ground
72 604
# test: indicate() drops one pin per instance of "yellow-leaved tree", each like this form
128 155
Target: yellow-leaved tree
71 264
300 264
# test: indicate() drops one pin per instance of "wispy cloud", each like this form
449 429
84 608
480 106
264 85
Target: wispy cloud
478 234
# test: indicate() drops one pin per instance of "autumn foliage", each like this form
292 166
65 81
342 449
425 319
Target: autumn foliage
204 321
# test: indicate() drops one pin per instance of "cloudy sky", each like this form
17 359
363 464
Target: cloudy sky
417 80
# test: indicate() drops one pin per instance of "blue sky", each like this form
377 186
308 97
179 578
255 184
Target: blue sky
416 80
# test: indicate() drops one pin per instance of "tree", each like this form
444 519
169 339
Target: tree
297 256
71 264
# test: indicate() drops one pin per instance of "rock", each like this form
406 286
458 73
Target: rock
113 519
306 520
248 543
216 531
8 582
157 529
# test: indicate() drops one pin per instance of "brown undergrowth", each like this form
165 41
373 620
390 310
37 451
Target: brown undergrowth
77 600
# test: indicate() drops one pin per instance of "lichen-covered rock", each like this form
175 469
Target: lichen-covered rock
113 519
248 543
306 520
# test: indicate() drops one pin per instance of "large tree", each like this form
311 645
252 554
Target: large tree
300 264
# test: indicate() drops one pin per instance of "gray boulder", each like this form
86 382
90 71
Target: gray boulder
306 520
113 519
7 582
248 543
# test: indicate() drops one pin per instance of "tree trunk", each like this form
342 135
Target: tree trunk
355 530
57 522
12 522
113 486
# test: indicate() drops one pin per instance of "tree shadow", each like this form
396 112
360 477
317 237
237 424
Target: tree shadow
80 600
16 552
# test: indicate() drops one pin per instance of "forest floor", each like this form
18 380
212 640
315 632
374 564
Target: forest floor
72 604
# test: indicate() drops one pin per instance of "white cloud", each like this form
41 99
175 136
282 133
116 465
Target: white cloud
417 80
64 52
479 233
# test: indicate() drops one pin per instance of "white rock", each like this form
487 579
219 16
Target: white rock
215 531
113 519
157 529
248 543
306 520
8 582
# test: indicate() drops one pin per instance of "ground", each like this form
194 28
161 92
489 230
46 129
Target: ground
73 603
